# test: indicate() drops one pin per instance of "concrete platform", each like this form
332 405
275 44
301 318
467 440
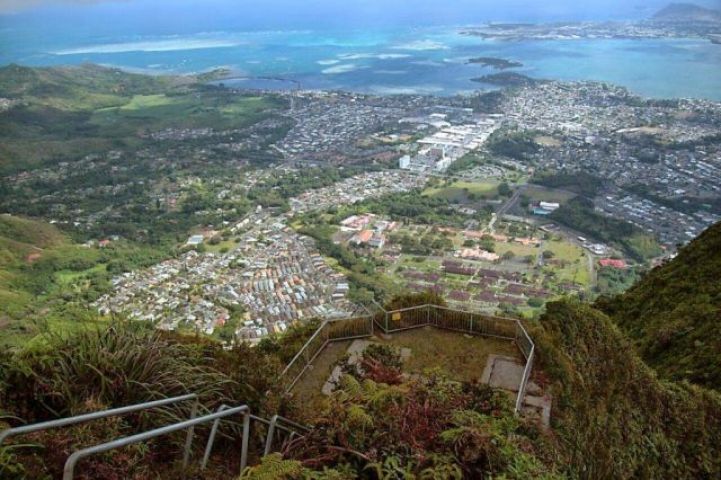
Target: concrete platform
503 372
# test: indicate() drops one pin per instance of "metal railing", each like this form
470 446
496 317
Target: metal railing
329 331
275 423
280 422
409 318
69 470
528 349
88 417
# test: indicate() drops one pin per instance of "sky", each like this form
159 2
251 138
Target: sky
172 14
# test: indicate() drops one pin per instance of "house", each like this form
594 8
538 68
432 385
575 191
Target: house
195 240
377 241
364 236
612 262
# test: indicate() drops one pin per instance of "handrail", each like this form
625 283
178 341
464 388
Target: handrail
68 471
214 430
271 430
63 422
524 380
272 425
300 352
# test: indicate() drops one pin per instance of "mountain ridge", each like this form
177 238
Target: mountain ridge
685 13
673 313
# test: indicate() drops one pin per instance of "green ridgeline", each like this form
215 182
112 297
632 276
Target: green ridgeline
673 314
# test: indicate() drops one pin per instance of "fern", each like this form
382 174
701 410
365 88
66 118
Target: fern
274 467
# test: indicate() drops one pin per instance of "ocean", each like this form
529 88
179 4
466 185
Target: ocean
430 59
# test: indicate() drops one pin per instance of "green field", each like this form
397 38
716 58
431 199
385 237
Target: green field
461 191
518 249
140 102
540 194
576 262
224 245
159 111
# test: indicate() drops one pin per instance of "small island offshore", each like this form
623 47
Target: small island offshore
497 63
507 79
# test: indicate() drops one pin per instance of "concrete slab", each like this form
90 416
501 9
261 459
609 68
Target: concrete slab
540 406
503 372
332 381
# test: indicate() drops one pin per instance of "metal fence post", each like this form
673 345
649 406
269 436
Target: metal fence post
211 439
189 436
88 417
69 469
269 437
244 447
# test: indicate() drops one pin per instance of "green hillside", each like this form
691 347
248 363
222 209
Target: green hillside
85 86
65 113
613 417
22 241
674 312
47 280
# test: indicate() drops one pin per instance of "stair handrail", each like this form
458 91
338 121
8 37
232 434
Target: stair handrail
69 470
274 424
88 417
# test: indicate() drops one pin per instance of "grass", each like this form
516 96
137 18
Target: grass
460 191
564 250
576 268
536 194
461 357
158 111
426 264
70 112
66 278
139 102
228 244
307 391
518 249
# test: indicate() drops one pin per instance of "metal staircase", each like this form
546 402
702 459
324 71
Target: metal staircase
275 424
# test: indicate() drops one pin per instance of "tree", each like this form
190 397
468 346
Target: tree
504 190
488 245
535 302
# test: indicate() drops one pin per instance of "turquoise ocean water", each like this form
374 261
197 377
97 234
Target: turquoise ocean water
429 60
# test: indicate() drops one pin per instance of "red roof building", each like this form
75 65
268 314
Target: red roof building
612 262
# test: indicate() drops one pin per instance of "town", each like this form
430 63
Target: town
486 199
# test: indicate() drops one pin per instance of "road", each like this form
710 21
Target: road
511 201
